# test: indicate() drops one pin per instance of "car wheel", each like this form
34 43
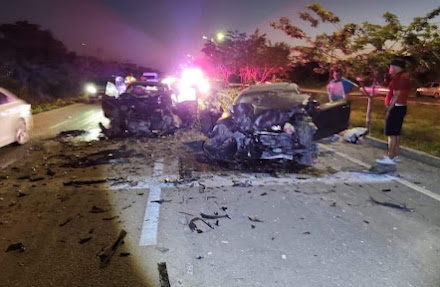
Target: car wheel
436 95
418 95
22 135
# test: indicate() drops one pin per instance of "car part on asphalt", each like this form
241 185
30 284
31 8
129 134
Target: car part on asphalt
392 205
207 216
19 247
193 226
108 253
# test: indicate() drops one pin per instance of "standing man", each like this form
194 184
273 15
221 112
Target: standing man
395 103
337 89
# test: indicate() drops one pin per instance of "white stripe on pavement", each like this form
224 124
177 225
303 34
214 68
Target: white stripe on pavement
151 219
398 179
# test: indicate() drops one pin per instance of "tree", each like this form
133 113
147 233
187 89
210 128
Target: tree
252 57
365 50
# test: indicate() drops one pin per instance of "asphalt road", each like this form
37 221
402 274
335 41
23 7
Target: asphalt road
314 227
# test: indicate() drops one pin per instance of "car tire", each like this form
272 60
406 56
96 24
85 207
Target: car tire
418 95
22 134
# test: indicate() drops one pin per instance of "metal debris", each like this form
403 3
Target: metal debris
19 247
124 254
247 183
163 275
207 216
110 218
84 240
108 253
254 219
96 209
160 201
65 222
193 226
392 205
21 194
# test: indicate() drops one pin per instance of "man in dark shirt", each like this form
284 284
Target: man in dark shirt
395 103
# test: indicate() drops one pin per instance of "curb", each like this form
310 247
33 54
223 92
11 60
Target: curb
406 152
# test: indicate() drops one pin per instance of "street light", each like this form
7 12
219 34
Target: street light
220 36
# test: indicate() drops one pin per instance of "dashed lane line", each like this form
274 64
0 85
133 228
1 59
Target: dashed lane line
151 218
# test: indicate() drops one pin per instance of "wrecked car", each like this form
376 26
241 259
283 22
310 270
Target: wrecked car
273 121
143 109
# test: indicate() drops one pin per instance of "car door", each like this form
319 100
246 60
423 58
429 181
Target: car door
7 119
434 89
331 118
424 91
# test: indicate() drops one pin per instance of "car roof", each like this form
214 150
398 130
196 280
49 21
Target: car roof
148 83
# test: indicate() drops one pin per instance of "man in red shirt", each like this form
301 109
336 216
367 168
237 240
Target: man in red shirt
395 103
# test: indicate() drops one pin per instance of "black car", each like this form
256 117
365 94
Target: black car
273 121
145 108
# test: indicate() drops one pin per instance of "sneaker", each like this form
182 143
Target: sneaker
386 160
397 159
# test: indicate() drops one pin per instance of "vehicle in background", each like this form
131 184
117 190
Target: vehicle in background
15 118
95 88
273 121
143 109
379 90
150 77
431 89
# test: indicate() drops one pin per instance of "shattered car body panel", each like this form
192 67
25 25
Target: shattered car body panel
274 121
145 108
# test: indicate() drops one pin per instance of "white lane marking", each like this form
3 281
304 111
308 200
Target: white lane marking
150 223
411 185
416 187
346 156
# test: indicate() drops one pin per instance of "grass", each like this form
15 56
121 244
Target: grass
421 128
50 106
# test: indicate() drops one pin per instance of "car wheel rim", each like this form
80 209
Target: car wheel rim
22 134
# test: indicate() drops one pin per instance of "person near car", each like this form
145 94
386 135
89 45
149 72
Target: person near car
337 89
395 103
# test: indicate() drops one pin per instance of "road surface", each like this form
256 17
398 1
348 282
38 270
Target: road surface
309 227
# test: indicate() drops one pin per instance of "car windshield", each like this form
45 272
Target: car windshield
144 89
272 99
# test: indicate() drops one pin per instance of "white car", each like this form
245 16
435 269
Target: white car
431 89
15 119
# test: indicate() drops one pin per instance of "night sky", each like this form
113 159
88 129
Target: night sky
160 33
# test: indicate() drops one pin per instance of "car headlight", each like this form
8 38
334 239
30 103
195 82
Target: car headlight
91 89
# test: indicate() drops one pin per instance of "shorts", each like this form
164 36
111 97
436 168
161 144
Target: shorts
393 125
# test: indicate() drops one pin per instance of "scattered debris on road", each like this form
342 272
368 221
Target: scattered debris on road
160 201
21 194
193 226
246 183
110 218
254 219
108 253
124 254
207 216
84 240
162 249
392 205
96 209
19 247
65 222
163 275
